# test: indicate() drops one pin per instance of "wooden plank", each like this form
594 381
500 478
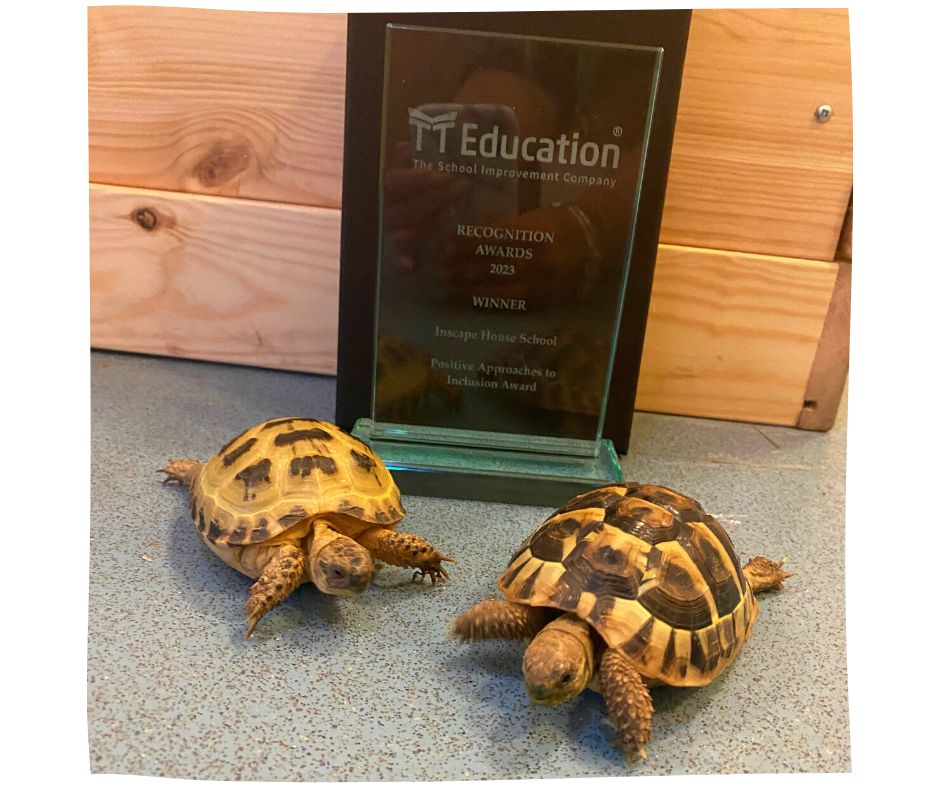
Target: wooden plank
751 168
218 279
251 104
218 102
732 335
844 249
827 378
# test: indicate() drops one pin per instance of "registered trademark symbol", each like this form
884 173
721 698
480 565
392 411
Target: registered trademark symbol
618 131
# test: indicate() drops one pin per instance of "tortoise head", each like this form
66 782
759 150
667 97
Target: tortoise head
343 567
558 664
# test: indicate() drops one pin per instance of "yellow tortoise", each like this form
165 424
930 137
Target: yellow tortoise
296 500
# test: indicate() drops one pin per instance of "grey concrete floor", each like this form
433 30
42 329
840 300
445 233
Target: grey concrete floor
372 688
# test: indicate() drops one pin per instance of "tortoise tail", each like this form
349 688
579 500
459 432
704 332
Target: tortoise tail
181 472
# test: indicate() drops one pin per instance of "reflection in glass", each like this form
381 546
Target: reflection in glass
511 170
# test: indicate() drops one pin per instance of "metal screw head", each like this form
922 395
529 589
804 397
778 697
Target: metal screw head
823 113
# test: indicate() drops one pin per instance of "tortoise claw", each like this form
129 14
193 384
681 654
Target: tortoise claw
181 472
436 573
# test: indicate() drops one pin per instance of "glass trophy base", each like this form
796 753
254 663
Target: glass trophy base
483 473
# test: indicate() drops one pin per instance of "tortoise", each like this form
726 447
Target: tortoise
624 587
295 500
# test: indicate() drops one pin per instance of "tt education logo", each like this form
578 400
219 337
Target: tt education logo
564 149
438 123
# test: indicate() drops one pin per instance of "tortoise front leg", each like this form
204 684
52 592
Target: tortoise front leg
401 549
283 571
500 618
628 702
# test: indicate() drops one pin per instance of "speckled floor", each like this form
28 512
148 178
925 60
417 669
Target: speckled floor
372 688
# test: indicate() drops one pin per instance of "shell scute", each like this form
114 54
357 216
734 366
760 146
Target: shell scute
718 569
601 498
647 520
230 457
674 592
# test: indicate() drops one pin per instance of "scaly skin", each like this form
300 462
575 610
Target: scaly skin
338 565
499 618
282 573
559 661
181 472
762 574
628 702
401 549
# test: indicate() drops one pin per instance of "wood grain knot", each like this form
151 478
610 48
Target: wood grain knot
222 163
146 218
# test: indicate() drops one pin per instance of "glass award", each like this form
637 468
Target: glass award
511 173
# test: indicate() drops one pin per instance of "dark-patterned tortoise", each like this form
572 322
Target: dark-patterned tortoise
623 588
295 500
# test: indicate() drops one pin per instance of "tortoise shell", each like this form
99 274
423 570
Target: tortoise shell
656 576
283 471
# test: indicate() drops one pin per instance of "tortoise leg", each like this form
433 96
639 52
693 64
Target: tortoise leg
628 702
181 472
283 572
499 618
762 574
401 549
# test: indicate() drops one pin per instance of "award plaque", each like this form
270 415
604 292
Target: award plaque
510 173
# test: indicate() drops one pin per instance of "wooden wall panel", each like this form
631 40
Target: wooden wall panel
218 279
218 102
752 169
227 127
826 383
732 335
729 335
251 104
